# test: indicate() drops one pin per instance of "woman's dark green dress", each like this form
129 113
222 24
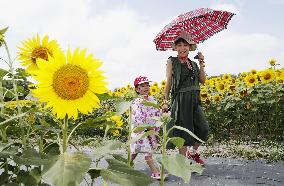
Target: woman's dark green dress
186 104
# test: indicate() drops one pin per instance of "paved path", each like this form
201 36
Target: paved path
224 171
233 172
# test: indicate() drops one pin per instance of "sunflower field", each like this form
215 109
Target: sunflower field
60 102
247 106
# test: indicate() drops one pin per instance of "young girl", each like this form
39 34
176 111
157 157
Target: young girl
141 115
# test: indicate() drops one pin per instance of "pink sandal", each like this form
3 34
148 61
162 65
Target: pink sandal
157 175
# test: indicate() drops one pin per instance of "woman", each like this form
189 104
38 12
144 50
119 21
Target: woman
183 77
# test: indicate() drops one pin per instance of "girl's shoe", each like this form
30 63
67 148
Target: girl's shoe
156 176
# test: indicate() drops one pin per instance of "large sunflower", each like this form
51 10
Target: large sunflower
221 87
153 90
251 80
33 49
267 76
226 77
69 84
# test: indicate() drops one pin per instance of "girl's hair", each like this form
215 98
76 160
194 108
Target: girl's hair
136 86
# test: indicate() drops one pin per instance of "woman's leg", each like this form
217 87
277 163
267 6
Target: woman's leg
195 146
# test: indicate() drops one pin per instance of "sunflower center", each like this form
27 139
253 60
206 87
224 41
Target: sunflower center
251 80
267 76
217 98
204 95
40 52
232 87
221 86
70 82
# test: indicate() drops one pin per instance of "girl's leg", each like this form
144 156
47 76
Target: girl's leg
151 164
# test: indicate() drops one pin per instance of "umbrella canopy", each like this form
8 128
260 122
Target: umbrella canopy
200 24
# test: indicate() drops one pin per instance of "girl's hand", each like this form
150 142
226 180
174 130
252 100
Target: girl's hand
165 107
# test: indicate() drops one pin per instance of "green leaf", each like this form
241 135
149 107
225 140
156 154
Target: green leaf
4 146
144 135
2 31
4 177
3 73
12 184
122 159
177 141
12 118
27 179
189 132
104 96
180 166
47 129
150 104
94 173
31 157
93 122
122 107
9 152
143 127
51 149
108 147
68 170
122 174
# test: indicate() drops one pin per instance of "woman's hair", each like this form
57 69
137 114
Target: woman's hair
192 47
181 40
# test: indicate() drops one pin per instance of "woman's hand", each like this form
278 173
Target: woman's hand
201 59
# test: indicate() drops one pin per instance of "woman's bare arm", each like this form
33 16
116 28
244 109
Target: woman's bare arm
168 78
202 74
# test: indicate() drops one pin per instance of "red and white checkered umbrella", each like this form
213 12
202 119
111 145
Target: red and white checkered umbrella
201 24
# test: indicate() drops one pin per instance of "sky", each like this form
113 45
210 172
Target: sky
120 33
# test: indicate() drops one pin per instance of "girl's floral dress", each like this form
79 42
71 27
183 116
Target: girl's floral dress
141 115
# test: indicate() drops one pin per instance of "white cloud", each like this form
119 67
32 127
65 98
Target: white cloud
225 7
123 39
233 53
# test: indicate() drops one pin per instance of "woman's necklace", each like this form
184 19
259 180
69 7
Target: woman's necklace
186 61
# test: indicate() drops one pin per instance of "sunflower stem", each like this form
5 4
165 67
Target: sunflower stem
129 137
73 130
164 145
64 134
19 109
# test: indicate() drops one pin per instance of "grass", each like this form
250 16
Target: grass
267 150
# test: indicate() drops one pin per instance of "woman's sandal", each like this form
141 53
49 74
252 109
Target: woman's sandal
195 157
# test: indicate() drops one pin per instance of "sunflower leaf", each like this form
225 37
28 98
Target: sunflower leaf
119 173
180 166
2 31
68 169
